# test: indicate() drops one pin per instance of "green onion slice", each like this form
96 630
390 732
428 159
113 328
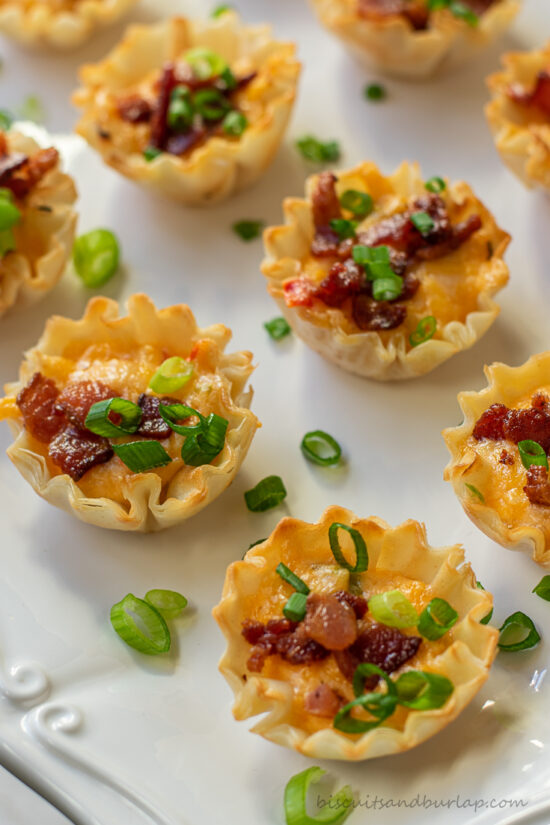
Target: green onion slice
211 104
151 152
10 215
98 420
364 672
6 120
462 11
543 588
358 203
475 492
180 112
277 328
290 578
203 447
387 289
422 222
518 623
7 242
168 602
393 609
296 801
32 108
362 556
420 690
268 493
295 608
435 185
321 448
374 91
172 413
486 619
96 257
248 230
436 619
171 376
318 152
140 456
140 625
219 10
234 123
425 330
205 62
379 705
343 228
532 453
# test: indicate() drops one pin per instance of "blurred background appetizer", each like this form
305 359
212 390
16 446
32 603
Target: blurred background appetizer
386 276
415 38
37 219
131 423
355 639
195 110
519 114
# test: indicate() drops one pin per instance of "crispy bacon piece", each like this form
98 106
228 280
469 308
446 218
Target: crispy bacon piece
499 423
539 97
323 701
23 173
76 398
506 458
152 424
38 404
537 488
380 645
371 315
357 603
159 125
181 143
415 11
344 279
299 292
76 451
330 621
135 109
325 207
282 637
491 423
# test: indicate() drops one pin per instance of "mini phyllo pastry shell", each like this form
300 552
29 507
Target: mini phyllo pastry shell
63 24
391 43
106 355
206 170
44 235
509 502
398 558
519 115
451 282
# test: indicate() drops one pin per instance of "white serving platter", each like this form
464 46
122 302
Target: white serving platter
110 736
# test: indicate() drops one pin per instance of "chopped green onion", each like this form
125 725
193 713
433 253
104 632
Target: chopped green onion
424 331
435 185
341 804
318 152
99 419
379 705
374 91
6 120
475 492
532 453
291 578
343 228
211 104
229 79
362 557
277 328
168 602
172 413
358 203
205 62
32 109
364 672
10 215
423 222
7 242
151 152
180 111
96 256
420 690
321 448
387 289
248 230
171 376
543 588
463 13
254 543
234 123
486 619
393 609
140 625
436 619
268 493
295 608
375 259
219 10
140 456
203 447
522 624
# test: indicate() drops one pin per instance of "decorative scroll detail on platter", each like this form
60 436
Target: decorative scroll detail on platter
25 683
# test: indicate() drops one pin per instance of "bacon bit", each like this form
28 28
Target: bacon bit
460 234
371 315
299 293
323 701
533 424
135 109
26 174
76 399
357 603
342 281
9 163
152 424
491 423
324 200
330 621
159 125
3 145
537 488
76 451
380 645
282 637
415 11
506 457
37 402
539 97
181 143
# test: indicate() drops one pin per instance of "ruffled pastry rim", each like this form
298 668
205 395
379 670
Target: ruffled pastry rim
524 149
505 385
24 281
40 25
220 166
403 548
144 511
365 353
393 46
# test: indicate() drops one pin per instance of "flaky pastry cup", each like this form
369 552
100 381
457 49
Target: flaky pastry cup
398 557
464 312
522 137
44 237
491 492
125 352
64 25
221 166
392 45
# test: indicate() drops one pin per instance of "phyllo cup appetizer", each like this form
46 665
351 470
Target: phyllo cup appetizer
63 24
355 639
193 109
519 115
386 276
37 219
131 423
416 38
499 456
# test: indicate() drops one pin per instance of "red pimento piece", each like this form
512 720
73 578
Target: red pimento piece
539 97
38 404
77 397
76 451
299 293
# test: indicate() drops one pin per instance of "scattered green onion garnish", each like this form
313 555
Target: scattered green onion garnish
436 619
387 289
393 609
296 801
435 185
219 10
422 222
204 440
475 492
343 228
295 608
99 419
180 110
318 152
321 448
254 543
420 690
211 104
374 91
205 62
140 456
532 453
277 328
386 285
96 256
171 376
424 331
6 120
168 602
172 413
248 230
234 123
463 13
486 619
379 705
543 588
364 672
358 203
32 109
268 493
140 625
291 578
151 152
362 557
518 624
